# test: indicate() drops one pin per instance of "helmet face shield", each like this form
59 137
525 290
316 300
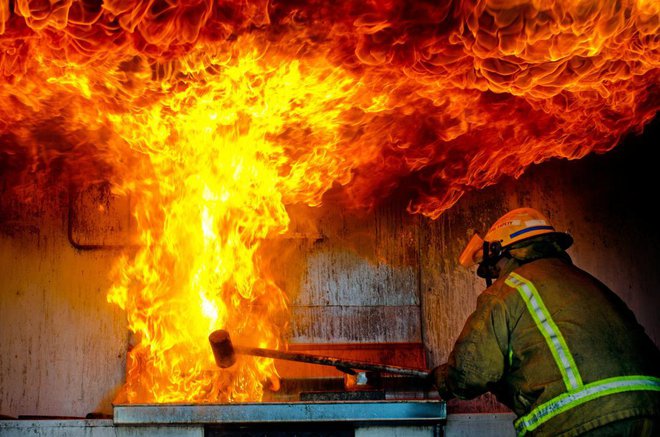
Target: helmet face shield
472 253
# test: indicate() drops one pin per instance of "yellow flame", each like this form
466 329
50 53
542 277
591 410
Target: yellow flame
220 170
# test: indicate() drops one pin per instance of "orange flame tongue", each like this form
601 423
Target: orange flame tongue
217 116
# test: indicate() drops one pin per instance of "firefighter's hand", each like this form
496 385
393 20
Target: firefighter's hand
438 377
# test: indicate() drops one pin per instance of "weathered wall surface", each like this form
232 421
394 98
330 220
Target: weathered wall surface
384 277
62 346
354 279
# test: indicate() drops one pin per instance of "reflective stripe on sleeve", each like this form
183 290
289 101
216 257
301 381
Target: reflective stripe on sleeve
594 390
549 329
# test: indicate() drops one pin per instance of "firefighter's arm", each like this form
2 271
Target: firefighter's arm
477 361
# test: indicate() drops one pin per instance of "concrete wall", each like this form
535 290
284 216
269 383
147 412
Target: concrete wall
384 277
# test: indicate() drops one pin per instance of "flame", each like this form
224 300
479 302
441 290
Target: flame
217 116
221 173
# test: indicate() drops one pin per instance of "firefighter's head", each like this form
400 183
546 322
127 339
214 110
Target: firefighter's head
521 235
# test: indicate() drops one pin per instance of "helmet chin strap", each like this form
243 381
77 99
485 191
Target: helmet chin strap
486 261
492 253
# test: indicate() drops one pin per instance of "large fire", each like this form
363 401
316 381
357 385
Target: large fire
216 116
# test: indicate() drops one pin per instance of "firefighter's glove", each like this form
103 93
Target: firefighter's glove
438 377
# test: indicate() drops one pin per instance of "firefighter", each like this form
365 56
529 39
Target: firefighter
550 341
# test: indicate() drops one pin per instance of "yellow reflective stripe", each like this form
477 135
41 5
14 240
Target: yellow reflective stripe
556 343
594 390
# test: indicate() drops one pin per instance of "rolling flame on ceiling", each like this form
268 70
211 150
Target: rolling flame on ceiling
216 116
